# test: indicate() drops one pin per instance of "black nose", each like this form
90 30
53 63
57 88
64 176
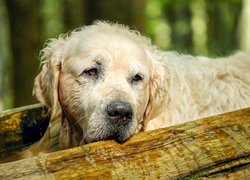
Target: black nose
119 111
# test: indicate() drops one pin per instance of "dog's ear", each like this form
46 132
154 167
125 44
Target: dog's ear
46 90
157 91
47 81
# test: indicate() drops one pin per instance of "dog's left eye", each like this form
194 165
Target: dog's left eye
91 72
137 78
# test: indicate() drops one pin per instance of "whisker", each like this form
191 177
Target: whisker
83 117
83 138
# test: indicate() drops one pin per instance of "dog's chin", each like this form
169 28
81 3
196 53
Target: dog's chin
120 138
118 133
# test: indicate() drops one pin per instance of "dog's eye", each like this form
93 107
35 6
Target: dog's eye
91 72
137 78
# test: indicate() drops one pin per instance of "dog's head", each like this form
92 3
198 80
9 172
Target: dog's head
102 81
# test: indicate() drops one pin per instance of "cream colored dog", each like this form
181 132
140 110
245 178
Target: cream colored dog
105 81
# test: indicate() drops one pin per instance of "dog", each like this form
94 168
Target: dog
106 81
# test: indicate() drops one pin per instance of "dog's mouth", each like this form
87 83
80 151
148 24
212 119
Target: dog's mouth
118 132
119 138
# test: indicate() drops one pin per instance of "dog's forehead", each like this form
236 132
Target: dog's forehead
110 49
113 42
116 45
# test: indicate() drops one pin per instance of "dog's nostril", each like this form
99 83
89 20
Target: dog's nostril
119 110
114 113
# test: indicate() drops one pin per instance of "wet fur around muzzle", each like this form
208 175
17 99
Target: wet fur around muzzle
106 81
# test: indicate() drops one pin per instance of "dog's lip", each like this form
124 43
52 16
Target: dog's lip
116 135
119 138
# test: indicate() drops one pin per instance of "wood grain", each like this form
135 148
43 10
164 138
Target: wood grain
214 147
21 127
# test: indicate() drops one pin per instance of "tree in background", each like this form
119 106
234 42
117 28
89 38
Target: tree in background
178 15
244 26
129 12
5 63
223 20
199 26
74 14
25 26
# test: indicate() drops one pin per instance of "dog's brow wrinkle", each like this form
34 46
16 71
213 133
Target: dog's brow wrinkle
98 59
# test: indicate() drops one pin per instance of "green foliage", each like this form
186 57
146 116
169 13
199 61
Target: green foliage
52 16
206 27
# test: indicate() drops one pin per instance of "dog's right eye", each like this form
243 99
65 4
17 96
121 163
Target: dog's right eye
92 72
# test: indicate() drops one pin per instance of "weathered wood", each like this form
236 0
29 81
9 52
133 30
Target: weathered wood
21 127
217 147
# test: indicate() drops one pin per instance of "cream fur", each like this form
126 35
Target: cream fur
175 88
199 87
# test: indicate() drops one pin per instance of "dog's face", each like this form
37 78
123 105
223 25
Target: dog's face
101 79
104 86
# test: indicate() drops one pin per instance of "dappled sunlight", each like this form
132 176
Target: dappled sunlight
199 26
244 28
163 35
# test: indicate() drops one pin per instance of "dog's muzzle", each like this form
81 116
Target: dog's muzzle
118 123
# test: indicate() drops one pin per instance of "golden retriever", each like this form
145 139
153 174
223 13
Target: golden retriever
105 81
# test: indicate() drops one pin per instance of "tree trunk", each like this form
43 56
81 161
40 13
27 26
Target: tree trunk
244 26
223 18
128 12
21 127
178 16
25 29
199 26
216 147
73 14
5 65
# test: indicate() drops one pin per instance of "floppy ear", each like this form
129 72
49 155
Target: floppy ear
157 92
47 81
46 89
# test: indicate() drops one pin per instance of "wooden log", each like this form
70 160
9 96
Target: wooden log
217 147
21 127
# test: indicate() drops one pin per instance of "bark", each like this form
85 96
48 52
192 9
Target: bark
21 127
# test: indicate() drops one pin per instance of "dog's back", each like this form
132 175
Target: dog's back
200 87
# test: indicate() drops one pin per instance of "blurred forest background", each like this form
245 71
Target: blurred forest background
199 27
